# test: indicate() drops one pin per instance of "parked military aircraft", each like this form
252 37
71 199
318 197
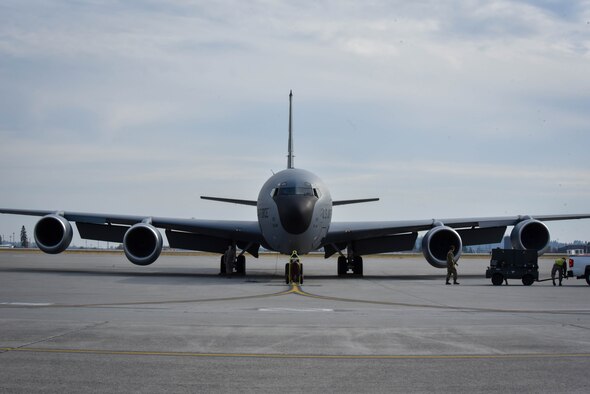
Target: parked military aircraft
294 215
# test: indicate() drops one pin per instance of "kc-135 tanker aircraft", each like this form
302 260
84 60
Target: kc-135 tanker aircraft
294 217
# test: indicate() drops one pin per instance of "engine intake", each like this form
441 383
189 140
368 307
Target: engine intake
142 244
530 234
53 234
436 244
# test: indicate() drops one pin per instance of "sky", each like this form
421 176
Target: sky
441 109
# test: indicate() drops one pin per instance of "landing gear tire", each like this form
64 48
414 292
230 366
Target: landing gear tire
358 266
342 268
497 279
222 265
528 280
295 274
287 273
588 278
241 265
301 274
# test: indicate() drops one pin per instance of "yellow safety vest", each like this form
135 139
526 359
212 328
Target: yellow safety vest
560 262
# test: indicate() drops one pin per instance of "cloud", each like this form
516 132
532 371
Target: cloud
100 102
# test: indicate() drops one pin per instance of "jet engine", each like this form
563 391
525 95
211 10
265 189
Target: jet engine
53 234
436 244
142 244
530 234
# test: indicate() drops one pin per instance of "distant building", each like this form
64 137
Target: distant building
574 249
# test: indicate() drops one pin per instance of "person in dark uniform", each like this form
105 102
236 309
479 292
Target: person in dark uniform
503 265
451 263
558 266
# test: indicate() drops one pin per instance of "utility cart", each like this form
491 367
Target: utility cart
513 264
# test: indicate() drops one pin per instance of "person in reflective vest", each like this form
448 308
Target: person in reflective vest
558 266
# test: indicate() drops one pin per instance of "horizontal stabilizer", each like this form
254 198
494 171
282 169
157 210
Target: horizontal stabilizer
346 202
230 200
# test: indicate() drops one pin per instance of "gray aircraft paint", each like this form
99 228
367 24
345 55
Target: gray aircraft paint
294 222
294 206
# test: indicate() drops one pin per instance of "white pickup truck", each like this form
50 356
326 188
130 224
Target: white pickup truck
578 266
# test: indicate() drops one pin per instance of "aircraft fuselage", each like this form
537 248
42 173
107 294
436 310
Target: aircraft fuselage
294 211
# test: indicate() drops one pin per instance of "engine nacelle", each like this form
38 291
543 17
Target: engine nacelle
142 244
530 234
436 244
53 234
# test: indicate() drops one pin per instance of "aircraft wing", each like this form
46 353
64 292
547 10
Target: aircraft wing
194 234
394 236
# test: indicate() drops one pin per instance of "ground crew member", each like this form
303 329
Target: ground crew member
558 266
451 263
503 266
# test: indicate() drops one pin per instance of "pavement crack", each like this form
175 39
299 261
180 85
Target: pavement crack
63 334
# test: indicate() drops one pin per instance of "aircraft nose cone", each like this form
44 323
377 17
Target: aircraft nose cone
295 212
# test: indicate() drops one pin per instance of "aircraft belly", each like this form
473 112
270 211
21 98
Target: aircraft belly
284 242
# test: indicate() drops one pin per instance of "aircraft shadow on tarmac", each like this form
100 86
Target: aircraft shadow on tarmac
211 274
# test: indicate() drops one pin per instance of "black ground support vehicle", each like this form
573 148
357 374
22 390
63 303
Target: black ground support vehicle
513 264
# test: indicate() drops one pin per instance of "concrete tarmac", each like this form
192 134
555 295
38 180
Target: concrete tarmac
81 322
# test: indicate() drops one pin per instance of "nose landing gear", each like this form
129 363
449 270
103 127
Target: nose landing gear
294 270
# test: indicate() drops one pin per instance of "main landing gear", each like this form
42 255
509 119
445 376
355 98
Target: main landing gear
350 263
294 270
232 262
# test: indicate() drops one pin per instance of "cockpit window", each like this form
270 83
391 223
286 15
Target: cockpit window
295 191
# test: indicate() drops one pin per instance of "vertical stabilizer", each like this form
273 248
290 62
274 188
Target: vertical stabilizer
290 156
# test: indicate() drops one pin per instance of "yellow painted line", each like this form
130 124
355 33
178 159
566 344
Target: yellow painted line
115 304
299 356
296 289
